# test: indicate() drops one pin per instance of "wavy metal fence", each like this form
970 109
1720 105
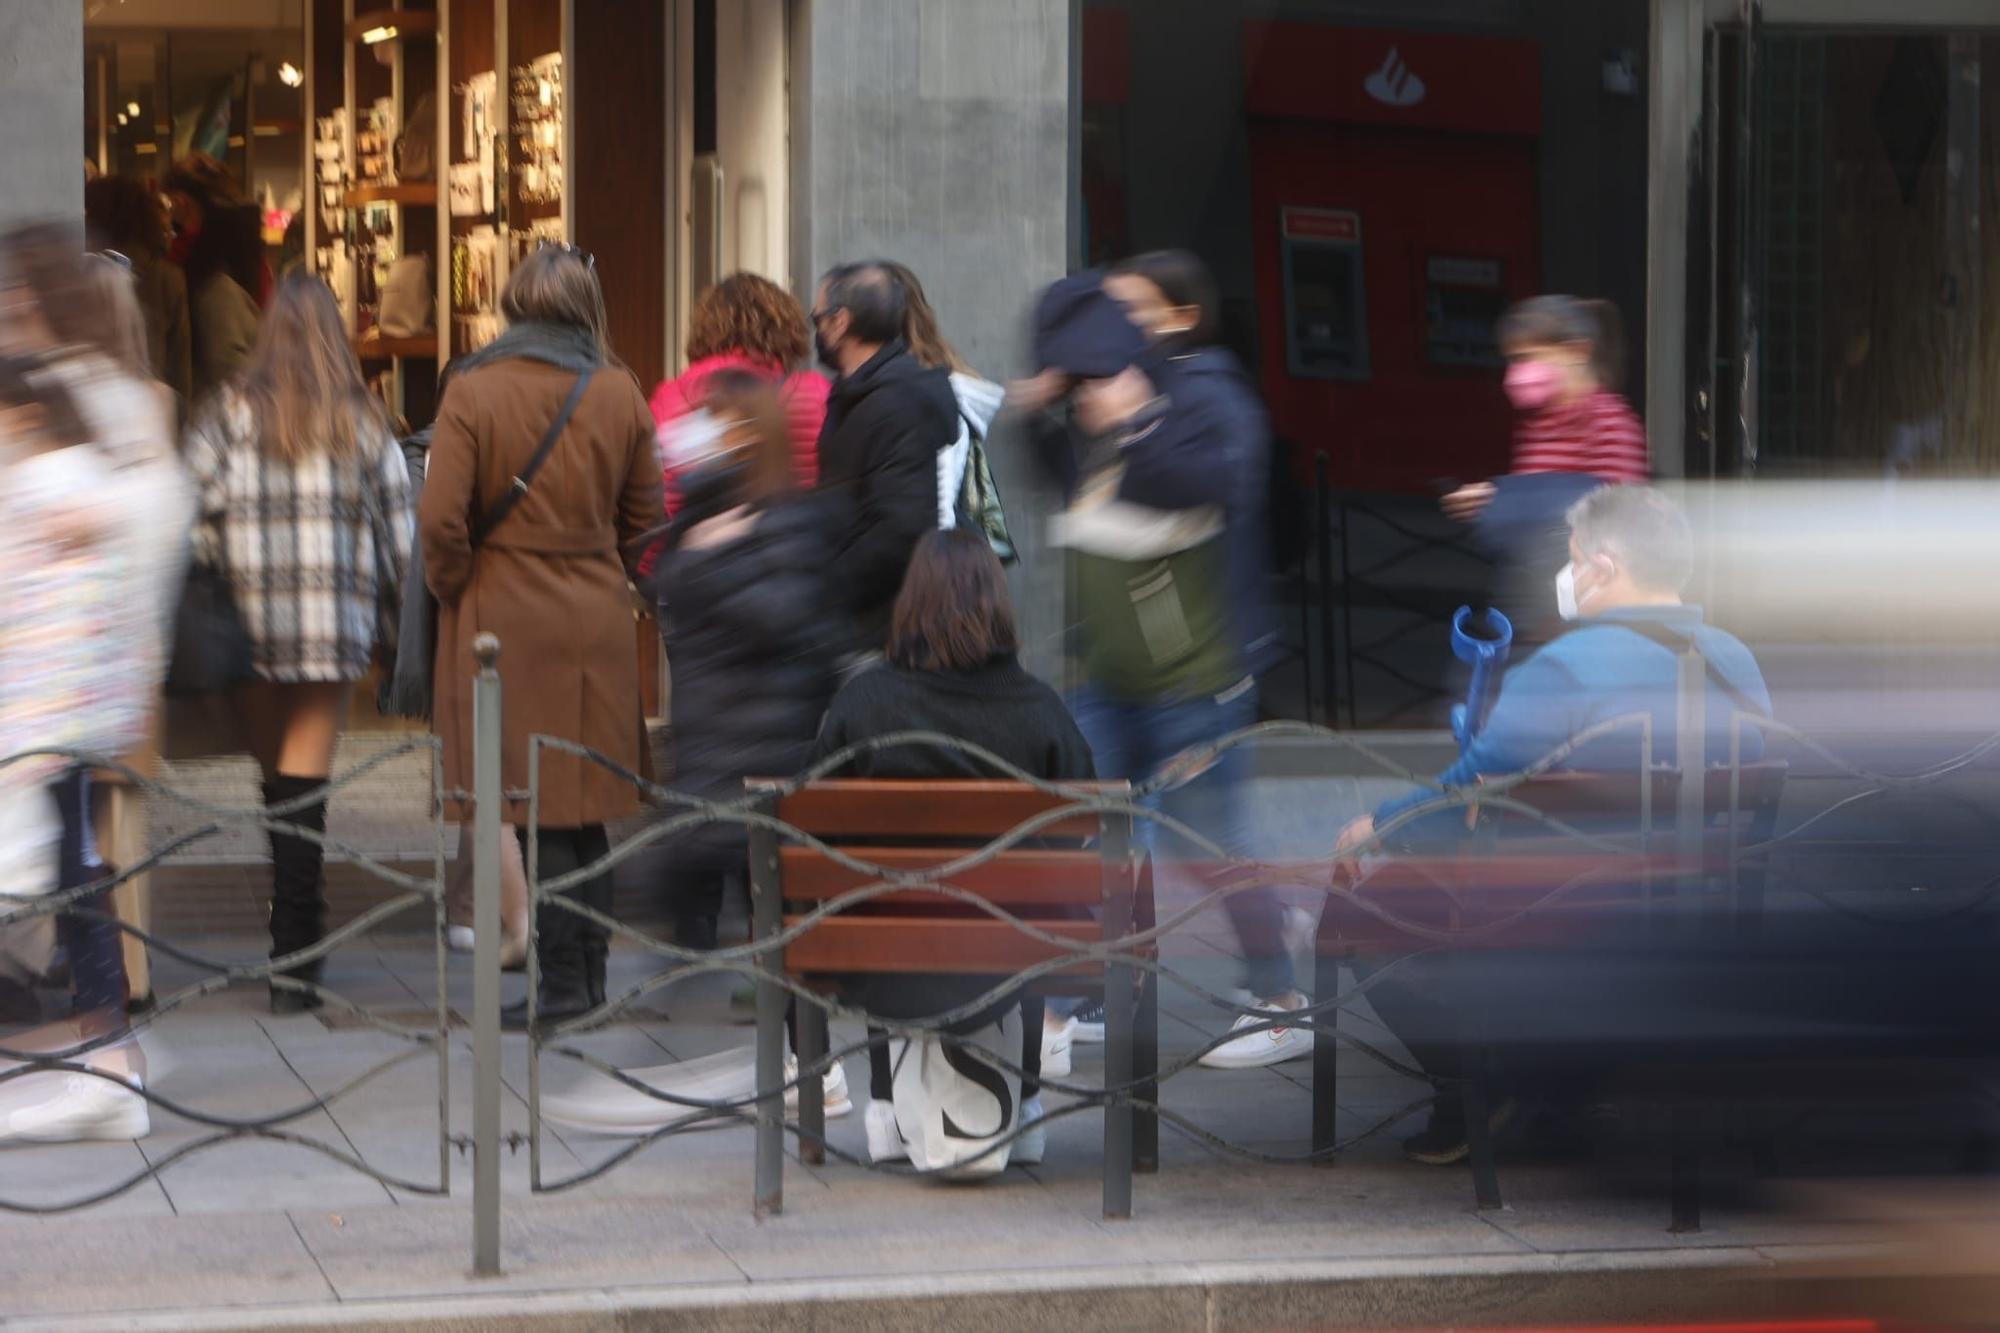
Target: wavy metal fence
1674 853
409 892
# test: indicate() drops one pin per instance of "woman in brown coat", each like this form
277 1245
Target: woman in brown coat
549 580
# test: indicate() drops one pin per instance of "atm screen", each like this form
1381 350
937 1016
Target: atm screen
1326 305
1463 303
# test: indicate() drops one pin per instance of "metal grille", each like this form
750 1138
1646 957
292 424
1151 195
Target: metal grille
1791 184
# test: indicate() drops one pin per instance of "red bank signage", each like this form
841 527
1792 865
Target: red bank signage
1322 224
1434 81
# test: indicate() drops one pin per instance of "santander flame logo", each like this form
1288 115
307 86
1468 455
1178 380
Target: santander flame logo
1394 84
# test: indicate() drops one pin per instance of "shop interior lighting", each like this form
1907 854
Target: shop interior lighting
290 75
131 108
381 34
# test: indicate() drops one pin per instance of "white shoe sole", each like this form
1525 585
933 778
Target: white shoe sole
130 1121
1273 1053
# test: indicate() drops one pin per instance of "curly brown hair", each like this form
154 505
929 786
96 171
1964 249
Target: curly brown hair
751 316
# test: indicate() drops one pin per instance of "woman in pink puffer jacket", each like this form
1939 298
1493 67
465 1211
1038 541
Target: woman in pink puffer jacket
748 323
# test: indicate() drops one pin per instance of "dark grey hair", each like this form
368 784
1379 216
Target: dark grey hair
1642 531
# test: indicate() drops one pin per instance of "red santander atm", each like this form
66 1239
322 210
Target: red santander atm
1394 188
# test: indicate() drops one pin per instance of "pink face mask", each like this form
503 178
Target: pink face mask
1531 385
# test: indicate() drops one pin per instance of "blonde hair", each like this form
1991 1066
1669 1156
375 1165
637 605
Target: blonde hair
555 285
303 384
928 346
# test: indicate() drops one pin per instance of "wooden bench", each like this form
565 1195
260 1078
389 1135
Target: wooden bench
1499 879
1059 878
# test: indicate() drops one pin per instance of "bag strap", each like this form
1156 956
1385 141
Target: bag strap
504 506
1677 643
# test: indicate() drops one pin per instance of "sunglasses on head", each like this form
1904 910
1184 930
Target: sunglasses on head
574 251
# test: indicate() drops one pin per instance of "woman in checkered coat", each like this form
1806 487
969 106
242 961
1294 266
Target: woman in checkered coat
305 512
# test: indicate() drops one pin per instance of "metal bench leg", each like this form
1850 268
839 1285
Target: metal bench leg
812 1087
1479 1138
1146 1055
1685 1169
1326 1060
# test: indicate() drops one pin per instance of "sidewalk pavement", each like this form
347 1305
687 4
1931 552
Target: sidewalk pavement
259 1232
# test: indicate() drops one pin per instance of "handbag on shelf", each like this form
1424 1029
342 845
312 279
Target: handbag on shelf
407 305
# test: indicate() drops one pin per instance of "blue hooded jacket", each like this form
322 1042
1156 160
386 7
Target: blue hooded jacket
1596 673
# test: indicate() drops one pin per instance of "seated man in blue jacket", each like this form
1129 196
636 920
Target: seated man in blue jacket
1631 554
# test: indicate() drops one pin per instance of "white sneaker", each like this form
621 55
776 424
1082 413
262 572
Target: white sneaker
833 1091
1254 1050
1089 1020
458 939
885 1140
79 1107
1034 1141
1055 1049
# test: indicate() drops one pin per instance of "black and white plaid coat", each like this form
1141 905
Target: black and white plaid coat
314 551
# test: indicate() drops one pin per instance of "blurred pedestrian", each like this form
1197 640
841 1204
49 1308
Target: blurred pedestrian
225 269
744 609
77 317
1160 456
1631 554
748 323
542 414
978 399
1574 432
952 668
887 420
127 217
305 517
72 676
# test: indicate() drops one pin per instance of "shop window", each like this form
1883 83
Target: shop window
1326 306
1463 303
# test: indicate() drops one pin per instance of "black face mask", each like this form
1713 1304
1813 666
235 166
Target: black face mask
824 351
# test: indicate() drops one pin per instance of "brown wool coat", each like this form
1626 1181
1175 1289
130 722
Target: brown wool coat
550 581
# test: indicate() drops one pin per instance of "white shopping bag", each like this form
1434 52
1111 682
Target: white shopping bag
951 1106
30 831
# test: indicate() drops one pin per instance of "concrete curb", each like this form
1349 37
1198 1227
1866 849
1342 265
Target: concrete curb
1521 1290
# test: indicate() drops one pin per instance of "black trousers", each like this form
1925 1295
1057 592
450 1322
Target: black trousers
571 948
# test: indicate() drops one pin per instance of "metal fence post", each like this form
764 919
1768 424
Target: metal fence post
1329 682
486 958
1115 847
766 921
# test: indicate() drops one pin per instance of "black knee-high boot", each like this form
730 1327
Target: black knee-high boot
564 952
298 904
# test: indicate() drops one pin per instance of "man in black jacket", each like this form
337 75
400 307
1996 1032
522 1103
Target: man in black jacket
886 420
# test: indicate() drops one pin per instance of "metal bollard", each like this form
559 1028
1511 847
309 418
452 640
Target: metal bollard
486 792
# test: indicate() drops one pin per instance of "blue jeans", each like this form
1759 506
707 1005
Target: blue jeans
95 946
1132 739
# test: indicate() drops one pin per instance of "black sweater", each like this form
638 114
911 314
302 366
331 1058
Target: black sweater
998 706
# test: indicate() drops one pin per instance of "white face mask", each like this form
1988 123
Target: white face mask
691 439
1566 592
